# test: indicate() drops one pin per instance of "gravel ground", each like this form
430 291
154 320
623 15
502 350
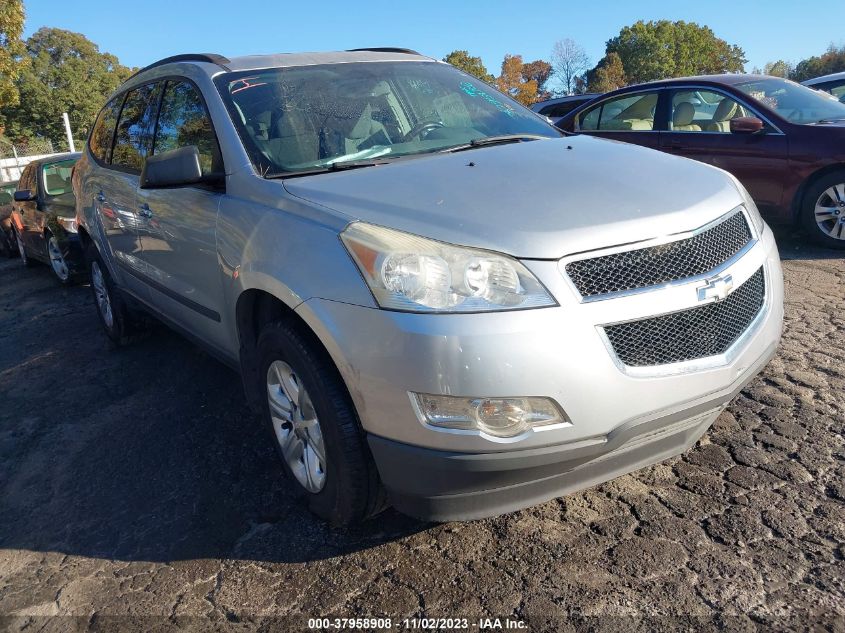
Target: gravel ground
135 483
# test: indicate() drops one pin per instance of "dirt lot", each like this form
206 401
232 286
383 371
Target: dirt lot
136 483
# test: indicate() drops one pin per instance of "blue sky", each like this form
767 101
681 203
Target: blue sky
152 29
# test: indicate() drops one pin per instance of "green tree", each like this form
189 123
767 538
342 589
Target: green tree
471 65
513 83
832 61
608 75
779 68
660 49
12 52
67 73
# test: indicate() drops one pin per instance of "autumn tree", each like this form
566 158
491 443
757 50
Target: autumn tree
831 61
609 74
12 52
66 73
661 49
512 81
471 65
569 61
539 71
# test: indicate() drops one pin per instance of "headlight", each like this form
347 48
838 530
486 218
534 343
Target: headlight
499 417
415 274
69 224
753 211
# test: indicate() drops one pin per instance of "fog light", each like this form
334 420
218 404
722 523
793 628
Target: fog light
501 417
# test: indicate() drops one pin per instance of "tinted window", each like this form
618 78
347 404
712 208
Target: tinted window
27 181
625 113
131 140
103 132
183 121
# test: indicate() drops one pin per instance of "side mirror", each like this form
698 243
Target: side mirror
746 125
24 195
170 169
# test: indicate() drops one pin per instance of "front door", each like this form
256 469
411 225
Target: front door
178 224
699 128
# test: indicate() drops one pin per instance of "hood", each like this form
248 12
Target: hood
534 200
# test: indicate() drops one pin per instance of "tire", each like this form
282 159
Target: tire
111 307
827 197
9 243
350 490
29 263
58 264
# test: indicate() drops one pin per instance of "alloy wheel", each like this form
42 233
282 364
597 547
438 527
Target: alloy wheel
101 294
830 211
57 260
296 426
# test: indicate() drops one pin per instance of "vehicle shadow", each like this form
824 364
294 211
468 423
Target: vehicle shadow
792 244
147 453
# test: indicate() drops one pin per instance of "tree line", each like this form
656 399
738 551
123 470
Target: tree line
57 71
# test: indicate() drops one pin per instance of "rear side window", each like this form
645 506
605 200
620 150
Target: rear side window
183 121
625 113
131 140
103 132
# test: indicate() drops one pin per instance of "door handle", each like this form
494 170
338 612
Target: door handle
101 197
145 211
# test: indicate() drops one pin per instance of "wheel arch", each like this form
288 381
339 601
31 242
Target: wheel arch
798 200
254 309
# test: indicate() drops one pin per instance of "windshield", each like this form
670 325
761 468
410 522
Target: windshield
57 177
311 117
794 102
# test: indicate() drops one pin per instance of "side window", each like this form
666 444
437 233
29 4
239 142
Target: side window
183 121
131 141
590 119
703 111
625 113
27 181
103 132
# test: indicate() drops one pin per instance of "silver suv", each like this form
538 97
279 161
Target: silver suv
433 297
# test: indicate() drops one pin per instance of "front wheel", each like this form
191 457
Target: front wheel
314 427
57 260
823 211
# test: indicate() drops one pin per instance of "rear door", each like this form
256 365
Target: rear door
116 197
178 224
629 117
699 128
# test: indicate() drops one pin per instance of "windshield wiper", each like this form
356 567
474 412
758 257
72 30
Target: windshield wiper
823 121
496 140
337 166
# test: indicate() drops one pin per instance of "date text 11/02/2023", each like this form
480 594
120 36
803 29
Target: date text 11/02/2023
416 624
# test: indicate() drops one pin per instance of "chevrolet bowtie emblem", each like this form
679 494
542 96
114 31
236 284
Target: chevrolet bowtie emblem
716 288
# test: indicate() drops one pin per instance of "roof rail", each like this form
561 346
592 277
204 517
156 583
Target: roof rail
384 49
211 58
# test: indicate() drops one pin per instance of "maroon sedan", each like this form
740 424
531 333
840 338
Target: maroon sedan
783 141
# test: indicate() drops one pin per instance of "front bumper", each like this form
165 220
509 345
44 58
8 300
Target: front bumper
446 486
557 353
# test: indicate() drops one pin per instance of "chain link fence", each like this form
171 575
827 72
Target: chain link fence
15 156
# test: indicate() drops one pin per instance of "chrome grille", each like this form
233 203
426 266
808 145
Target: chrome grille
653 265
690 334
